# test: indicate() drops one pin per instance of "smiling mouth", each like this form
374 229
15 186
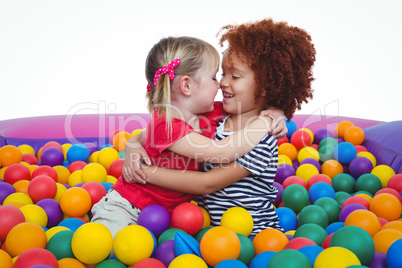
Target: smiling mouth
227 95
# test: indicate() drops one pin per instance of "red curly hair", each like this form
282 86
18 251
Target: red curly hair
281 57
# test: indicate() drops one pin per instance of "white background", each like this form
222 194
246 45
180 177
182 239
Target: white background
65 57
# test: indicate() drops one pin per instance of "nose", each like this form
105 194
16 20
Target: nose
223 83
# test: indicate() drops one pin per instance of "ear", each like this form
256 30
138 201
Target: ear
185 88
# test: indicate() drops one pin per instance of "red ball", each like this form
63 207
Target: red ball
10 216
360 148
53 144
355 200
299 242
293 180
30 159
327 241
149 262
395 182
36 256
96 190
318 178
188 217
390 191
76 165
300 139
41 187
45 170
16 172
283 140
116 168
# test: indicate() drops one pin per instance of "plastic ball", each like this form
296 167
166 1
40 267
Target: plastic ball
356 200
42 187
5 259
289 258
299 242
120 140
186 244
306 171
107 156
329 141
116 167
60 244
133 243
331 168
318 178
284 159
336 257
311 252
16 172
321 189
354 135
96 190
386 206
394 256
395 182
313 214
359 166
369 183
36 257
78 152
145 263
52 210
165 252
313 162
70 262
384 173
76 165
45 170
92 243
284 171
52 157
25 236
287 218
188 260
201 233
282 141
320 134
390 191
293 180
247 251
295 197
343 182
345 152
238 220
291 126
9 154
288 149
364 219
35 214
71 223
19 198
75 178
349 208
342 127
308 152
218 244
9 217
269 240
300 139
75 202
93 172
5 190
230 263
26 149
356 240
312 231
188 217
22 186
384 239
155 218
30 159
207 218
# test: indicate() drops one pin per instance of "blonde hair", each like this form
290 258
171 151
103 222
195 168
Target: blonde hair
195 55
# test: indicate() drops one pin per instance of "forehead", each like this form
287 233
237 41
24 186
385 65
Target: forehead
231 60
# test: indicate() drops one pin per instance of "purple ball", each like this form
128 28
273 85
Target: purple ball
278 198
313 162
283 172
155 218
295 164
379 260
165 252
346 210
53 211
52 157
92 147
321 134
359 166
5 190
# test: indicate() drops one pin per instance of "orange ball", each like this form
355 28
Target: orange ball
342 127
395 225
70 263
25 236
5 259
288 149
384 239
75 202
120 139
219 243
269 239
21 186
354 135
62 174
364 219
10 154
331 168
386 206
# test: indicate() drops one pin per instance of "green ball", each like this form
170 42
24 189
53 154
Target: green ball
247 251
111 263
313 214
289 258
328 141
331 206
356 240
312 231
368 182
60 245
295 197
169 235
341 196
326 152
201 233
343 182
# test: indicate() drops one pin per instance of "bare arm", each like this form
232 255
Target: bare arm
195 182
134 153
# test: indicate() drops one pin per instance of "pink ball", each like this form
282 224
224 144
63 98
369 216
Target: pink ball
299 242
188 217
395 182
42 187
16 172
9 217
36 256
96 190
150 262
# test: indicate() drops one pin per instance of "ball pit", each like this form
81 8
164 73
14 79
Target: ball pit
319 153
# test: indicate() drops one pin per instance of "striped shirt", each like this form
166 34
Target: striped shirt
254 192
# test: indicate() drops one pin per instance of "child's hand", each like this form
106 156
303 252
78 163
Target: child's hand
131 171
278 127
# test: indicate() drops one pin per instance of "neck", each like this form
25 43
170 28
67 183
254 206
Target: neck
239 121
183 113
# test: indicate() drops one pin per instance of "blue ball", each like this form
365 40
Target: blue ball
78 152
287 218
71 223
394 256
345 152
311 252
262 259
291 126
335 226
230 263
320 189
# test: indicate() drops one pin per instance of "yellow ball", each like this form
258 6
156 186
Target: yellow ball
62 174
107 156
26 149
188 260
133 243
136 131
110 178
94 172
306 171
60 190
284 159
369 156
54 230
94 157
65 148
310 133
336 257
308 152
384 173
75 178
92 243
207 219
18 197
239 220
35 214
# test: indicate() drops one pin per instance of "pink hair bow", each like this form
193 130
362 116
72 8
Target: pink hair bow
165 70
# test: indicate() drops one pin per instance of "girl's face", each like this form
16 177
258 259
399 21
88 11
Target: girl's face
204 91
238 87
